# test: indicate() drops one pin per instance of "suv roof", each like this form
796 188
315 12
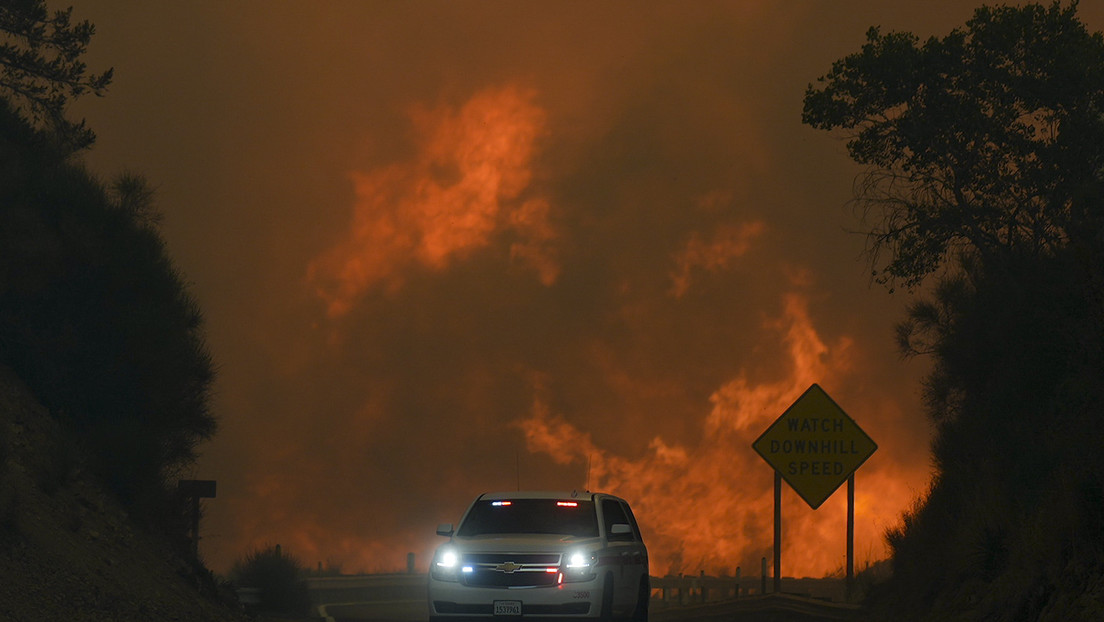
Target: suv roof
539 494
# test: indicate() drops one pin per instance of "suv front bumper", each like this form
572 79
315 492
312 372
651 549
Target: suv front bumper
454 600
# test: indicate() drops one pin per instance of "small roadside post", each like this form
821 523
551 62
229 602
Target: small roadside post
815 446
194 490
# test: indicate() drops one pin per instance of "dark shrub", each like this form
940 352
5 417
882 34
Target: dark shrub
278 576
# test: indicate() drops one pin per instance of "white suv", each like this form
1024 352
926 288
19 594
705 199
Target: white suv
539 555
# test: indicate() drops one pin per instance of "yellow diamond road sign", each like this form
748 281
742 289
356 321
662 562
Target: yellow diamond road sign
815 446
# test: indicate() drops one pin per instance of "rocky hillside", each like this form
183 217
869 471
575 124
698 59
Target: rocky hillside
67 550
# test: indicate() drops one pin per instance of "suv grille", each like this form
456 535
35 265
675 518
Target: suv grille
511 570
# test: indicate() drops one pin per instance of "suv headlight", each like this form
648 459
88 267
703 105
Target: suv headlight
579 566
446 564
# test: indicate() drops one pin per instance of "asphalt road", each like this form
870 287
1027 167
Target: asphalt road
376 598
769 608
401 598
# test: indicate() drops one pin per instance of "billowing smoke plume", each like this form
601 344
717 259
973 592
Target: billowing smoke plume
454 249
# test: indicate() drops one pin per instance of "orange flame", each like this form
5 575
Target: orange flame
466 183
709 507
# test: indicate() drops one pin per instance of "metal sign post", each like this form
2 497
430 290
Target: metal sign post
777 532
194 490
815 447
850 533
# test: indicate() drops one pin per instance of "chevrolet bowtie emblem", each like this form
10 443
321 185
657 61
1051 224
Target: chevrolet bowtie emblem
508 567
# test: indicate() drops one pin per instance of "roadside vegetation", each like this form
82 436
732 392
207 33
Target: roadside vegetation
983 193
278 578
94 317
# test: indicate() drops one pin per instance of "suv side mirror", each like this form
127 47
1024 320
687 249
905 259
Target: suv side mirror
620 531
445 529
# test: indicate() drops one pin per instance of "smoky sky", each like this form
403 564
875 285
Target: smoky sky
449 248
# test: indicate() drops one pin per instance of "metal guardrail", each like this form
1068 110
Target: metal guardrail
249 596
685 590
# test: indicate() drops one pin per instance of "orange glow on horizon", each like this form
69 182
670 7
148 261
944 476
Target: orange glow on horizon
702 506
470 190
709 507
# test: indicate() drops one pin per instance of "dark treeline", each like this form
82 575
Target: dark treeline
94 317
985 158
1012 522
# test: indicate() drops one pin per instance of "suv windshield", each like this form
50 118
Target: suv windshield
551 516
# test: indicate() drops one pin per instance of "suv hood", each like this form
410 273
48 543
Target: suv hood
519 543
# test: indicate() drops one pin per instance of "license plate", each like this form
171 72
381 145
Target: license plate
507 607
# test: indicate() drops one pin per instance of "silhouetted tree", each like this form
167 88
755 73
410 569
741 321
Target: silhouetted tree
41 70
984 154
97 320
1016 398
93 315
979 140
